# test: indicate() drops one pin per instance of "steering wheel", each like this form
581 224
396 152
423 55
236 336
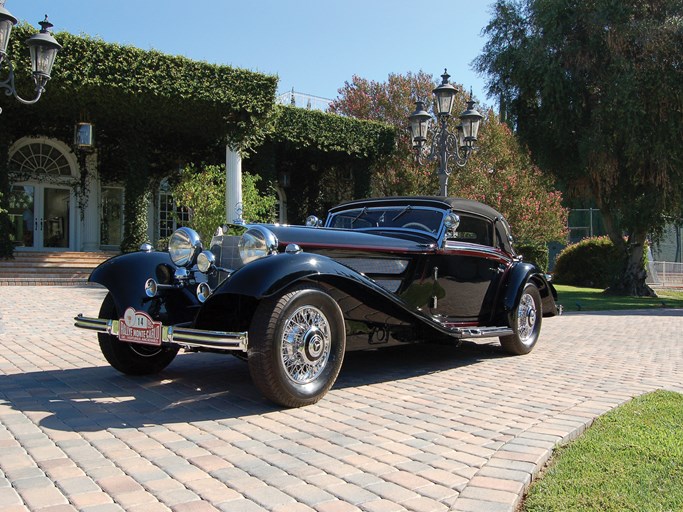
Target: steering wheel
418 226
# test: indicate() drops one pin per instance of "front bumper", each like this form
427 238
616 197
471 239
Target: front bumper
176 335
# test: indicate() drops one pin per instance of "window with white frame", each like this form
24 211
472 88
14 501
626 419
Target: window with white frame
170 215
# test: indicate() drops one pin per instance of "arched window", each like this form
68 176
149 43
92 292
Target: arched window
37 159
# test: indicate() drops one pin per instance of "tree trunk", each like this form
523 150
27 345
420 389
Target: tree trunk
631 282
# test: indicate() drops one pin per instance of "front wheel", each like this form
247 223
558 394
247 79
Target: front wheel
131 358
526 323
296 346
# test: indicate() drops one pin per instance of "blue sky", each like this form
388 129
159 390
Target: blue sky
312 45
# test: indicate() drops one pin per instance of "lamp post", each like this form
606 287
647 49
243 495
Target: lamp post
43 48
445 145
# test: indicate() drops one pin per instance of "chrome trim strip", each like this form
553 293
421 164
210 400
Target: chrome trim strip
475 248
481 332
191 338
208 339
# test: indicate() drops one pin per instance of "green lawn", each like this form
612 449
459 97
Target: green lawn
592 299
631 459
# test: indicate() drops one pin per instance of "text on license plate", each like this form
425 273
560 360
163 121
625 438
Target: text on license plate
139 327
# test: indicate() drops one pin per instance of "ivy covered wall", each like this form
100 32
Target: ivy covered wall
329 158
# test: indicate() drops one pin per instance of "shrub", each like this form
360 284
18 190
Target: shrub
592 262
534 253
201 189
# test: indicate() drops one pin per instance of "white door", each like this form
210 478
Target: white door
41 216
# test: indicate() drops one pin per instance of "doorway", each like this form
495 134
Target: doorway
41 216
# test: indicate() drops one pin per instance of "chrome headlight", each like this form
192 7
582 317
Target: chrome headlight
203 292
313 222
256 243
206 262
184 246
452 221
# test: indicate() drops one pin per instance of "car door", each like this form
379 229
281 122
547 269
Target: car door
468 272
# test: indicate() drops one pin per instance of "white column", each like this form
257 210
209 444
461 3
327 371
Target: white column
233 186
90 233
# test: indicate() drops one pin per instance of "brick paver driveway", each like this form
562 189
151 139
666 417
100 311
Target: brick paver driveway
421 428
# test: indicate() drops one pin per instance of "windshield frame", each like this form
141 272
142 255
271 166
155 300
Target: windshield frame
392 213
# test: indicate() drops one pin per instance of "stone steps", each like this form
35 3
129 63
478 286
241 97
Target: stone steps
65 268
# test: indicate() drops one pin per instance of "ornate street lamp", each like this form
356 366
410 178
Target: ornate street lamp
445 145
43 48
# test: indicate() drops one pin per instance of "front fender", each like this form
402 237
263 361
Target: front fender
235 300
125 275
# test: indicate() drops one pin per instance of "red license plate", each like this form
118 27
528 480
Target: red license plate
139 327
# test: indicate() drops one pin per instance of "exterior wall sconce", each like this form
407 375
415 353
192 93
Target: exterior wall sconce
43 48
445 145
84 136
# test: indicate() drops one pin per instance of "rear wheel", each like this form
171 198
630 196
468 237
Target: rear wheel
131 358
296 346
526 323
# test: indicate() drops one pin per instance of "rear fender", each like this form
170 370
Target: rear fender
125 276
518 276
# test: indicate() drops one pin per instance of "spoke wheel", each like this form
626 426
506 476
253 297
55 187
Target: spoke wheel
526 323
526 317
296 346
306 343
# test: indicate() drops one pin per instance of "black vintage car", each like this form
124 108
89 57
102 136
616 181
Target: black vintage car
293 299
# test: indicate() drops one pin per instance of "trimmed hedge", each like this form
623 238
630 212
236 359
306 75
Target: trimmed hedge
592 262
123 89
332 133
175 103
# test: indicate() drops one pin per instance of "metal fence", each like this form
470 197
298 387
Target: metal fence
303 100
665 273
583 223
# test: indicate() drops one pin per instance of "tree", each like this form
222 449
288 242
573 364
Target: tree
391 102
500 173
202 191
595 88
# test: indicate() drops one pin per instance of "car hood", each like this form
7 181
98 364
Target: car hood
384 240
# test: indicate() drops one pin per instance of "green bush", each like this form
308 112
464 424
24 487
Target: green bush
592 262
534 253
201 189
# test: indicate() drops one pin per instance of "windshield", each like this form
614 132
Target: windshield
406 217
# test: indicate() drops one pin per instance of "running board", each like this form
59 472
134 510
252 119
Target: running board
480 332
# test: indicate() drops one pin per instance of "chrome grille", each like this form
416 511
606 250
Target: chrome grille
226 250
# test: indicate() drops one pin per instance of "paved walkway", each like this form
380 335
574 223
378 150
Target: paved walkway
419 428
